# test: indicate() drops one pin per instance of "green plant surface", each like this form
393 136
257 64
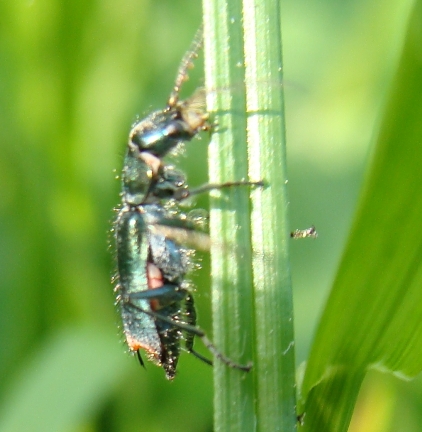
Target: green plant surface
273 297
243 45
230 218
372 317
55 369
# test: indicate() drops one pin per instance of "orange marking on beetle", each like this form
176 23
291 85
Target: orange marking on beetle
135 345
152 161
155 280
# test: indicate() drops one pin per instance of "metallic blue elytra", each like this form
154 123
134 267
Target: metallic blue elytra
151 269
132 255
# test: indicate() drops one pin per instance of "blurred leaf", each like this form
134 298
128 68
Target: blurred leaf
66 382
373 315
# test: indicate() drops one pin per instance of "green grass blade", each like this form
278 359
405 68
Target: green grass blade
372 318
230 224
275 359
252 55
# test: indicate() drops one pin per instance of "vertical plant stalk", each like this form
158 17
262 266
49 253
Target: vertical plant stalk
243 60
231 260
273 306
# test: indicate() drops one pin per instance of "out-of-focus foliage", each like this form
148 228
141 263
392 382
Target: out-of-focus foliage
73 75
373 315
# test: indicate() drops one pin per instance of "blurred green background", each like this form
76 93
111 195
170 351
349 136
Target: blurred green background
73 77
